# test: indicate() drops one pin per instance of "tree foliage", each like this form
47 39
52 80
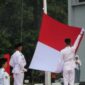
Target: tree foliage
20 21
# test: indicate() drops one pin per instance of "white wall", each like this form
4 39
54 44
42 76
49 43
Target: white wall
76 17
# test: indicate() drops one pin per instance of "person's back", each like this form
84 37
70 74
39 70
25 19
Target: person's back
68 57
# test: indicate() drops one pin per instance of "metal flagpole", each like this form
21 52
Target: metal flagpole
47 74
45 6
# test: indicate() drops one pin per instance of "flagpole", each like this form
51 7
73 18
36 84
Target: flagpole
45 6
47 74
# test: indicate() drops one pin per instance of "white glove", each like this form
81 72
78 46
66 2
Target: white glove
82 31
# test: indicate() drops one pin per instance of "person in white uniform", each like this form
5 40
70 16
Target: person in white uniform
18 63
4 76
68 55
77 69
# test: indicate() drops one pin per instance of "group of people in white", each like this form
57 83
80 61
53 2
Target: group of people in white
17 62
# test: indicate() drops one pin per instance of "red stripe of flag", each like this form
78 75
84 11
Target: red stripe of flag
53 33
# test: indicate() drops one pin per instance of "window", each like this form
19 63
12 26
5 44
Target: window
81 0
77 2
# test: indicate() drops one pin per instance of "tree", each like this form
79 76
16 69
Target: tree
20 21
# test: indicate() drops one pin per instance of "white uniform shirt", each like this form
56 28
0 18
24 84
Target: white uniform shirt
4 77
68 54
18 62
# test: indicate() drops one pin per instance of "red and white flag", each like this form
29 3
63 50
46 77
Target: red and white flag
47 55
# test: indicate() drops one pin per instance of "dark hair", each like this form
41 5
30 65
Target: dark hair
68 41
18 45
2 62
76 58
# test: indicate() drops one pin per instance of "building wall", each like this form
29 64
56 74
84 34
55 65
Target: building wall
76 17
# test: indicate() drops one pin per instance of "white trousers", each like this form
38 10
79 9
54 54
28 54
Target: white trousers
18 79
69 77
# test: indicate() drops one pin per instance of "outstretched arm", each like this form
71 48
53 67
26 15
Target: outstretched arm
78 39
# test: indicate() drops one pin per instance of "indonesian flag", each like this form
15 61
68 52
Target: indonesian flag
47 55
